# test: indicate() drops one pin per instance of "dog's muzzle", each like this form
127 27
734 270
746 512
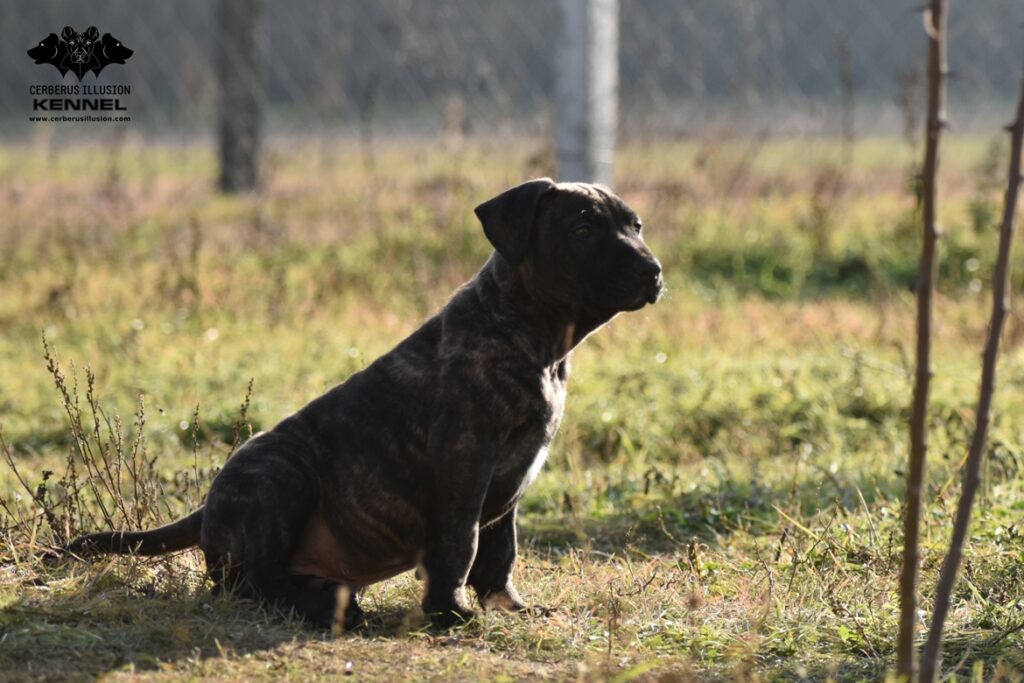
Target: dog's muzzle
651 281
656 290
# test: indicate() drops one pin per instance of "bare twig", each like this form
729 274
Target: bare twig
930 658
69 401
935 26
242 423
195 457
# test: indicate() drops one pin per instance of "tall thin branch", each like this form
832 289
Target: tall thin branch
930 659
935 26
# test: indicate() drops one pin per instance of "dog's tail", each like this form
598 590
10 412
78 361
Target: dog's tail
178 535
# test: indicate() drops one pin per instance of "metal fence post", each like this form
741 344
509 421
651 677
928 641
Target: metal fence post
587 90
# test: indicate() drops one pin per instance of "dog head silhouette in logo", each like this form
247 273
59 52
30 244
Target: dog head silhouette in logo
81 55
51 50
111 51
80 51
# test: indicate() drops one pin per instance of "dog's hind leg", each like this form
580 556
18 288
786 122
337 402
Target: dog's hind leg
320 602
254 517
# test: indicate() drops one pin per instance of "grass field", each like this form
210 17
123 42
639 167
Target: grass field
724 497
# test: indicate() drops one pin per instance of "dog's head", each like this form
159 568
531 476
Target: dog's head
575 244
47 51
112 51
80 44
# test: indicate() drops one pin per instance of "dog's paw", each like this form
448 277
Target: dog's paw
505 600
509 601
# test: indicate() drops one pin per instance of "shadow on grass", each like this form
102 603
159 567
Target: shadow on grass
107 625
659 523
57 641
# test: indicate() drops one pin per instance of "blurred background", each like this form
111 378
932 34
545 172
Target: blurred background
773 68
310 168
773 145
753 70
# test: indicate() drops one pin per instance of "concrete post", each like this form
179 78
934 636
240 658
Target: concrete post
587 90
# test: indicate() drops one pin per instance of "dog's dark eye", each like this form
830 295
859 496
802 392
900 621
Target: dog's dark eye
581 231
638 224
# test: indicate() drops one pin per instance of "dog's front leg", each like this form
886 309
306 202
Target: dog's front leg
491 575
462 451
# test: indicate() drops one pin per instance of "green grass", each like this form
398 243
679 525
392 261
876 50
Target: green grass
723 500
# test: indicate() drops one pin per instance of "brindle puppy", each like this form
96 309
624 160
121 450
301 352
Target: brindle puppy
420 459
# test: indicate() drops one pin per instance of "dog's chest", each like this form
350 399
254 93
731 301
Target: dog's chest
554 387
547 409
525 450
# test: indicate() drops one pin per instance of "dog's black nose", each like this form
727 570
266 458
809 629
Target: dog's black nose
648 270
648 276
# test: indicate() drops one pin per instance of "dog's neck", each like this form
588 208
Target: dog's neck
546 329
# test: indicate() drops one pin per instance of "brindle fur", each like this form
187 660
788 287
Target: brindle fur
421 458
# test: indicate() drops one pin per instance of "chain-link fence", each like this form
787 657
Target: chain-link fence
766 67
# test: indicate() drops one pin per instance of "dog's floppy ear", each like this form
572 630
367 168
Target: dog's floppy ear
508 218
